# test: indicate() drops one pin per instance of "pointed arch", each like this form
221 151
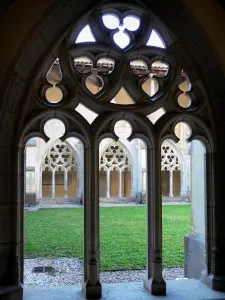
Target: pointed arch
59 157
115 155
171 157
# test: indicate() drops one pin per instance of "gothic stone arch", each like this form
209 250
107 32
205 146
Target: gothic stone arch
59 157
115 157
18 79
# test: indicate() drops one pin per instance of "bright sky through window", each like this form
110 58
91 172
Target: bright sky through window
131 23
155 40
122 39
111 21
85 35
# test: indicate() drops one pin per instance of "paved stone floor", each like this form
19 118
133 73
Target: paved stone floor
176 290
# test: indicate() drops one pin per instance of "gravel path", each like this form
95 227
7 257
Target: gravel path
70 271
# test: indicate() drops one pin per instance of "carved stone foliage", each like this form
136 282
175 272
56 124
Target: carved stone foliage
59 158
114 158
170 161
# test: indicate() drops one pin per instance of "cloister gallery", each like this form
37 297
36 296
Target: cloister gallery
54 170
114 102
152 84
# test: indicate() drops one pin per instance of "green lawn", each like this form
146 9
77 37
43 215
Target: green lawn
59 232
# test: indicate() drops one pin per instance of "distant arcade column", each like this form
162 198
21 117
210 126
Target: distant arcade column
108 184
66 184
120 184
53 184
171 184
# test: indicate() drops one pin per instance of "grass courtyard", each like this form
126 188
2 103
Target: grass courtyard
59 233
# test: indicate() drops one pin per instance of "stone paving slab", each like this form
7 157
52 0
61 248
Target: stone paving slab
190 289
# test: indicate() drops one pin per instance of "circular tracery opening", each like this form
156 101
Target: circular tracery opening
121 39
160 69
182 130
110 21
131 23
184 100
122 129
54 128
139 67
105 65
54 95
83 64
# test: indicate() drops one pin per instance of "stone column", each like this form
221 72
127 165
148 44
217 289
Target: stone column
53 184
143 180
154 281
66 184
171 184
214 276
183 190
12 183
194 242
120 184
91 286
30 191
80 181
40 185
108 184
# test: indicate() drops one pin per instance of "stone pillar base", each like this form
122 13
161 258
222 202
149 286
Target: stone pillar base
92 291
216 283
30 199
155 287
194 255
11 293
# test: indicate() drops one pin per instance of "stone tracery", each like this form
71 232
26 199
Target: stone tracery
114 157
59 158
170 161
161 90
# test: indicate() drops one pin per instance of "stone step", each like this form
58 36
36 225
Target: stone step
59 200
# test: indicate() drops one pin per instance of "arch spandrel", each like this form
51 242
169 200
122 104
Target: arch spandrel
75 126
199 129
142 128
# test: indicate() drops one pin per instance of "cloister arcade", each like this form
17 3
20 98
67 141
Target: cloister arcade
120 71
55 172
59 171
